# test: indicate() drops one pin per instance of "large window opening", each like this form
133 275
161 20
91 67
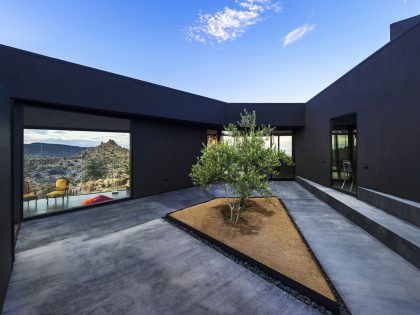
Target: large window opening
66 169
344 153
72 160
280 140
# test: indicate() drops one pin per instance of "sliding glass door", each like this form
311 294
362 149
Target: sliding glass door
67 169
280 140
344 153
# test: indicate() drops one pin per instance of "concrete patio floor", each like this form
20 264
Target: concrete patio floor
122 258
370 277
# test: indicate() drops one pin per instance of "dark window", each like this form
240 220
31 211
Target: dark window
344 153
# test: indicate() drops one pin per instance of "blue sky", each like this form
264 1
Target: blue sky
235 51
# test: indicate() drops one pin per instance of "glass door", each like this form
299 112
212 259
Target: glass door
283 140
344 153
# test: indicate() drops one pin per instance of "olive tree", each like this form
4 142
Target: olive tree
242 163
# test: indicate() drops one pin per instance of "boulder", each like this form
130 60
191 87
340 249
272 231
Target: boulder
87 187
106 183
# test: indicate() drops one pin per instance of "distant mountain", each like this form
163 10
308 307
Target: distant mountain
38 149
105 167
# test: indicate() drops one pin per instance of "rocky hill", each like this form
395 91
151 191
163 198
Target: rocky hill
105 167
40 149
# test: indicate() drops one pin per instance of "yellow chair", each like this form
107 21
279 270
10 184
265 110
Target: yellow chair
29 195
61 189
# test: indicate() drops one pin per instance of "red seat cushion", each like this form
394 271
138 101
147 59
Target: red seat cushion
98 198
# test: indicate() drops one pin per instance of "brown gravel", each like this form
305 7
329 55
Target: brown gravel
265 233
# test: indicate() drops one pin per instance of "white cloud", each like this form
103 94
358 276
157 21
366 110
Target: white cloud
230 23
297 33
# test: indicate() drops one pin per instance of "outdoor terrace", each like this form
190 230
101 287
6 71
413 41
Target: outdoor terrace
123 258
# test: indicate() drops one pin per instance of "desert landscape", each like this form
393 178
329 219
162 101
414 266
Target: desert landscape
103 168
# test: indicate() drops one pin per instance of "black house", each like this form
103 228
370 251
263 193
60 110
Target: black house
366 125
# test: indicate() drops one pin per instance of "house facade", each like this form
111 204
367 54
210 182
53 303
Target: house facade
366 125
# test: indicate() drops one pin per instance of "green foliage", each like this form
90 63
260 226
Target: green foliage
242 163
94 168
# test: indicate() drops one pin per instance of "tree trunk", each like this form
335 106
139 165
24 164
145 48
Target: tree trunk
237 213
231 206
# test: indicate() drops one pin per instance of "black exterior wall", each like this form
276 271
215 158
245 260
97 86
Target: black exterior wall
384 93
398 28
6 233
54 118
36 78
284 115
29 76
163 154
17 141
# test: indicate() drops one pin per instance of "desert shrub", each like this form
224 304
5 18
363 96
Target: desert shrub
55 170
94 168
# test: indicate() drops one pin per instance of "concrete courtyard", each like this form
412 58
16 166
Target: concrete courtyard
123 258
